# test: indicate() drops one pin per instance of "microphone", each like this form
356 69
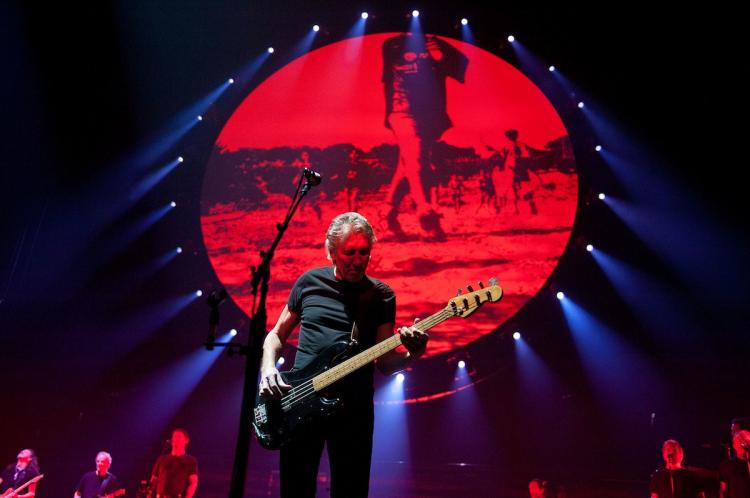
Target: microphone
312 177
217 297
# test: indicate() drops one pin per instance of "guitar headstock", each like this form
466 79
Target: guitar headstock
464 305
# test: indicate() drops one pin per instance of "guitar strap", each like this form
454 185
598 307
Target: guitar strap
360 311
103 485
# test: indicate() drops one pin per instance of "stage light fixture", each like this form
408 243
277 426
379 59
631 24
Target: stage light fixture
560 295
230 81
200 118
602 197
280 361
580 105
316 28
178 250
365 15
199 293
552 69
461 364
400 377
233 332
270 50
464 21
173 204
598 148
180 159
511 38
415 13
589 247
516 336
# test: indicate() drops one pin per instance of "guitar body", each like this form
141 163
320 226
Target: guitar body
275 424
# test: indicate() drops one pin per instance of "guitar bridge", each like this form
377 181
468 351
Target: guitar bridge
261 416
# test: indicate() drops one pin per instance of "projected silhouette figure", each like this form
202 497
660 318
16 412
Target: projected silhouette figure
516 158
415 69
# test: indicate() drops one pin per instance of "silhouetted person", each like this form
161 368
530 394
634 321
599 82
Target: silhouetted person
415 69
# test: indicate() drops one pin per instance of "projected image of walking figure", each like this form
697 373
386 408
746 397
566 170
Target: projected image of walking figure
415 69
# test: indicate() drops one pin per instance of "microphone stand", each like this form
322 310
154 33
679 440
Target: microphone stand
253 350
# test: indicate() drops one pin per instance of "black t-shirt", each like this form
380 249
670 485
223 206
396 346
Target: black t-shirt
734 473
414 74
90 485
678 483
172 473
13 479
327 308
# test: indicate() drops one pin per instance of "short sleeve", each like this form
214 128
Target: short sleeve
294 303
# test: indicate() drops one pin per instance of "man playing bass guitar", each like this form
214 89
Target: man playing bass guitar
327 302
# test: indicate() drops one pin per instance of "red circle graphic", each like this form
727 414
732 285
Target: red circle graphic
459 161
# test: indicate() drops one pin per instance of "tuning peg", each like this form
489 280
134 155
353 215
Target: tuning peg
481 285
493 281
458 292
471 289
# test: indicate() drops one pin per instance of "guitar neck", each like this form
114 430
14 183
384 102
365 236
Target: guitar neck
325 379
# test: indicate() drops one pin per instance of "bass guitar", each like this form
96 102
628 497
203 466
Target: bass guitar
313 395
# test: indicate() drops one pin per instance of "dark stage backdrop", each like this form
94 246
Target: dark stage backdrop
101 341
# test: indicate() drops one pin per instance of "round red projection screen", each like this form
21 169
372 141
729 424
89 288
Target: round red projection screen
460 163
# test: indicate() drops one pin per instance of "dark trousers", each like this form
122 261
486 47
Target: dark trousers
348 435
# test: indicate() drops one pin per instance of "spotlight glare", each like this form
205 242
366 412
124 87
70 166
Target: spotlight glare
415 13
560 295
400 377
580 105
511 38
178 250
280 361
270 50
365 15
199 293
552 69
200 118
516 336
316 28
598 148
464 21
173 204
230 81
602 197
180 159
233 332
462 364
589 247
